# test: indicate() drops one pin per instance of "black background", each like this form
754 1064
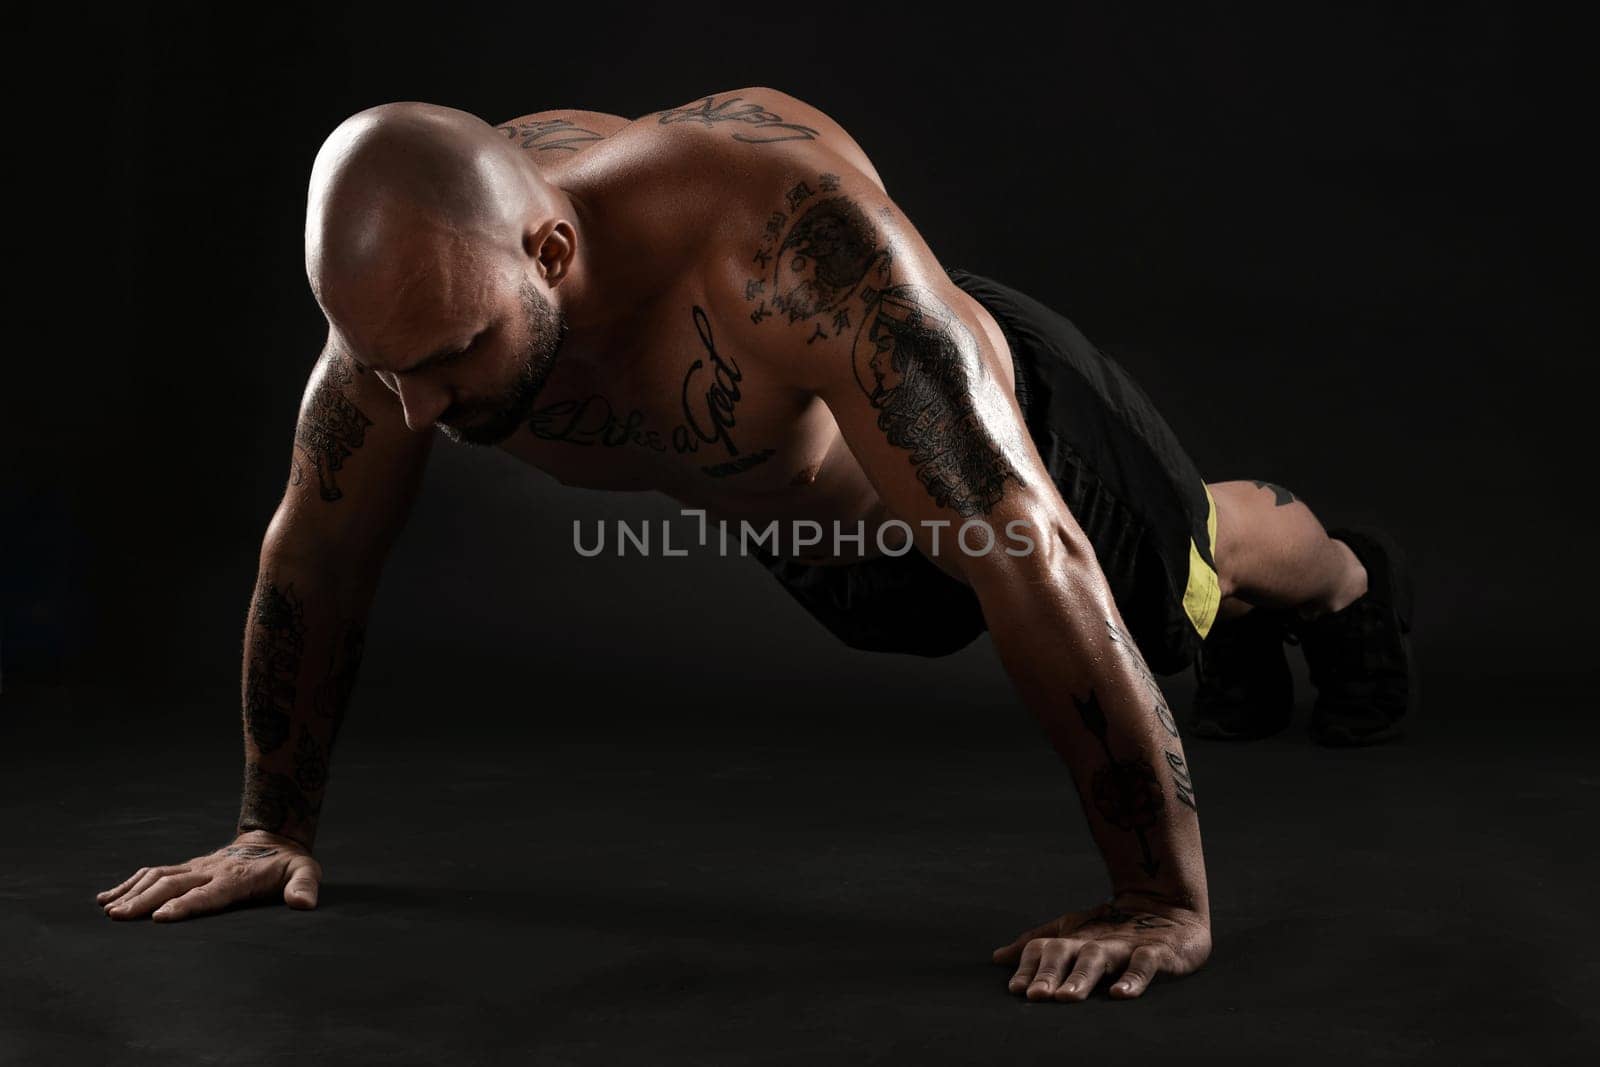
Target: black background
1339 244
1330 243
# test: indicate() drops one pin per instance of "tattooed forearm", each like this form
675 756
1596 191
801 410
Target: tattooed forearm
292 716
752 123
1182 784
310 764
1126 792
1280 495
333 695
331 429
272 800
1162 712
550 135
277 639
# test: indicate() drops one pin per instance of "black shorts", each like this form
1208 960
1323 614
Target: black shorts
1120 471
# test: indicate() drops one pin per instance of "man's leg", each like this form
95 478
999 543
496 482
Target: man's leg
1283 576
1272 552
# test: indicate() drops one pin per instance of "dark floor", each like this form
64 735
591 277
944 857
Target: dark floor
798 887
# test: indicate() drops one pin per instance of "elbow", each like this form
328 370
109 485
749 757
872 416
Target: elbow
1057 547
1066 549
1031 555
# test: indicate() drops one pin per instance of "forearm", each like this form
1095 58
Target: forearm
1063 642
302 649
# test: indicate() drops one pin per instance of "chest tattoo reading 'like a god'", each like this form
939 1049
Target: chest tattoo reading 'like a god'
594 421
709 396
708 400
824 266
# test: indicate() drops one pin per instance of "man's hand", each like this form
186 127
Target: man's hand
1065 958
256 865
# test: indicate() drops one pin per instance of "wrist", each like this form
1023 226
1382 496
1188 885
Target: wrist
1184 898
268 837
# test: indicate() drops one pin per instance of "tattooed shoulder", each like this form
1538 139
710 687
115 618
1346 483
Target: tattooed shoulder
746 120
824 262
553 134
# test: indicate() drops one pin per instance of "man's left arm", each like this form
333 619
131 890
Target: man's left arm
842 298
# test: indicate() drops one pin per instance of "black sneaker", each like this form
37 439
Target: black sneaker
1245 691
1359 656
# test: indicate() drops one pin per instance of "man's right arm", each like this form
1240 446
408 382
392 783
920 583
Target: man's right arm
353 477
354 473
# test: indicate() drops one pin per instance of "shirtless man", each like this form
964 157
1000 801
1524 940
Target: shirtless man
721 302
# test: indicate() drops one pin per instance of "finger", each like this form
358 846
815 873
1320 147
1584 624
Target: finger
304 878
1093 961
201 900
143 882
156 894
139 881
117 890
1053 963
1008 953
1026 967
1142 969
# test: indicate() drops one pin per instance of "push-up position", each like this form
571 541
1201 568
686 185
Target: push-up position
721 302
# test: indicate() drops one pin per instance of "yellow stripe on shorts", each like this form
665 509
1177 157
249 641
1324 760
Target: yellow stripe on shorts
1203 593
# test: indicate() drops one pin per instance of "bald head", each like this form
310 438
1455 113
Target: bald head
433 245
396 186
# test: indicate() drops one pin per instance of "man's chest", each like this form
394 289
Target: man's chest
666 405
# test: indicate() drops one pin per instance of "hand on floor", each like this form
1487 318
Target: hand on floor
1130 941
257 864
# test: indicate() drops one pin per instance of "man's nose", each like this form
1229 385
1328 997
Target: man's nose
421 402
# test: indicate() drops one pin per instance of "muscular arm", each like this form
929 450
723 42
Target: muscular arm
353 475
844 298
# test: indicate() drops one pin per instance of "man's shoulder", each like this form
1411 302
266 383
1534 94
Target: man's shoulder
790 251
754 115
755 130
746 135
559 133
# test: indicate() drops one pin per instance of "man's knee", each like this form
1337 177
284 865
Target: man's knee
1254 524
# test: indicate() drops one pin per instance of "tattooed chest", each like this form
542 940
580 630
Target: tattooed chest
696 414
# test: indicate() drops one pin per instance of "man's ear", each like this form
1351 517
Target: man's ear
552 243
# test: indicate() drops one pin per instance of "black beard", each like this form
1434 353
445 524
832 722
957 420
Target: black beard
546 328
